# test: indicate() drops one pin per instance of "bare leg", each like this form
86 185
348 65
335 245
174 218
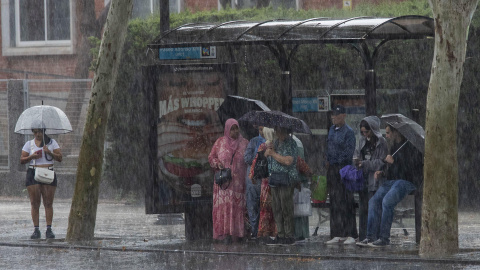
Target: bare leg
48 194
35 198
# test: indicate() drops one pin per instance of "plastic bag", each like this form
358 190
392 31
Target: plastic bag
319 188
302 203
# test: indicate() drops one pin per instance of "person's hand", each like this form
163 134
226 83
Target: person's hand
36 155
46 150
298 186
389 159
270 145
220 166
269 152
357 162
378 175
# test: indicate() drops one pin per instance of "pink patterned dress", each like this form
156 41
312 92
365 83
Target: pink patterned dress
229 204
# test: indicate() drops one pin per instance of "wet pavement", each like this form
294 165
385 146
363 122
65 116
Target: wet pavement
127 238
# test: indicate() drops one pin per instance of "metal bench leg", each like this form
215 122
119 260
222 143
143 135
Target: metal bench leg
418 215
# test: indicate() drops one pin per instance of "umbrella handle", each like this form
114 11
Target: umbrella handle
400 148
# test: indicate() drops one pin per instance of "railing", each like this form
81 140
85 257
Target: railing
70 95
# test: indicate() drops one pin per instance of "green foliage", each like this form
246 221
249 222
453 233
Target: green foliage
95 43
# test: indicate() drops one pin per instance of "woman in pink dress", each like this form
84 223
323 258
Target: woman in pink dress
229 199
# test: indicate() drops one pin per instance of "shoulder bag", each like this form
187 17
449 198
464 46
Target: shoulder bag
42 175
224 175
260 170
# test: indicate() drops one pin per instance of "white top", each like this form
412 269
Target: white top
51 146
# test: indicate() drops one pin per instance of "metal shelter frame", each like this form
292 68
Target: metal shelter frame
283 38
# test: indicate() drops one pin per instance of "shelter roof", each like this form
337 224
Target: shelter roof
315 30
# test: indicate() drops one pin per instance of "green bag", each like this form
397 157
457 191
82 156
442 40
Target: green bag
319 192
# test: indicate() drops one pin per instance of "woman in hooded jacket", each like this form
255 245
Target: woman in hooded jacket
371 151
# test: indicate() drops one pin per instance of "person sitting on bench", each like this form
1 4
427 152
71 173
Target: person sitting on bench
403 171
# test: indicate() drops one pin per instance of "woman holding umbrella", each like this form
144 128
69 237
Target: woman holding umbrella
282 161
40 152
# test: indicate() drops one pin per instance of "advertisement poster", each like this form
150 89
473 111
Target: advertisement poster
188 126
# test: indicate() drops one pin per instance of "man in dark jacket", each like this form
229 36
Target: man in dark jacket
403 173
340 148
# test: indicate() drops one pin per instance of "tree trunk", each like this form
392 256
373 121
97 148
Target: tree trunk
89 26
440 194
81 221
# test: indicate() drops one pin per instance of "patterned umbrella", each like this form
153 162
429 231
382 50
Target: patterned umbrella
274 119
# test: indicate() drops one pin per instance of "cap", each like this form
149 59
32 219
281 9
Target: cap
338 109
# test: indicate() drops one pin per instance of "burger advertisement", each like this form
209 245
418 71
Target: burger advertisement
188 126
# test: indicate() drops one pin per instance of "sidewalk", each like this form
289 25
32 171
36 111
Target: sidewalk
124 228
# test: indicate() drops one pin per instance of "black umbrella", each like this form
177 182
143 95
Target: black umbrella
236 106
412 131
274 119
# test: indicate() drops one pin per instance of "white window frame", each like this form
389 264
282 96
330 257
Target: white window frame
23 48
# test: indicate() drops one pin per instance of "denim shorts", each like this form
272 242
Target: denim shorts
31 179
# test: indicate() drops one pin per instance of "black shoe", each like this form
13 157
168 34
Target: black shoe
49 234
36 234
263 240
379 243
288 241
365 242
273 241
227 240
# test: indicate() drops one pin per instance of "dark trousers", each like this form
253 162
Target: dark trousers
282 207
342 206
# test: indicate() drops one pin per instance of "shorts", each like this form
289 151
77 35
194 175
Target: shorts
31 179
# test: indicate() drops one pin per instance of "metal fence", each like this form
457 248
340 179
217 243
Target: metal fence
69 95
3 125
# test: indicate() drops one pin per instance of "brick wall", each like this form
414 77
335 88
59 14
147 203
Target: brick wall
327 4
11 67
201 5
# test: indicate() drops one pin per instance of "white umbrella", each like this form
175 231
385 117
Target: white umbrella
50 118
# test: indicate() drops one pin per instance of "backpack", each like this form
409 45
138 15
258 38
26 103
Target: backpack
260 170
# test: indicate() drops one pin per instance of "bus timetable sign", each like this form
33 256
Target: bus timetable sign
188 53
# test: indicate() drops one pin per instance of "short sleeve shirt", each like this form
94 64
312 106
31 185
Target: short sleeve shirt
286 148
41 161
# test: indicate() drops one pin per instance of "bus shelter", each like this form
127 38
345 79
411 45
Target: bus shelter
283 38
192 71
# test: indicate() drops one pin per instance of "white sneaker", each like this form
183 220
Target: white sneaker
336 240
349 241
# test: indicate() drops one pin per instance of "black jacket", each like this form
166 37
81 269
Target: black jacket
407 165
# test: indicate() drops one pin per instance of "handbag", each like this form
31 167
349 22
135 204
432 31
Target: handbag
302 203
278 179
260 170
44 175
352 178
224 175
